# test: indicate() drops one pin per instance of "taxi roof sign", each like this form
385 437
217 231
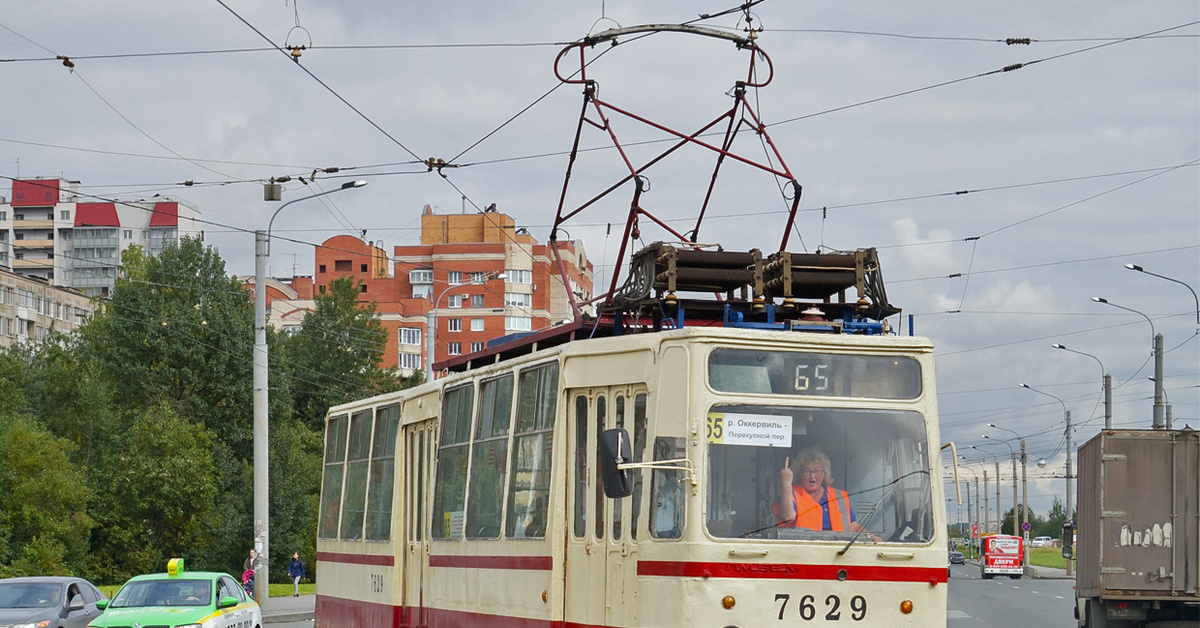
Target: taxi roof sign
174 567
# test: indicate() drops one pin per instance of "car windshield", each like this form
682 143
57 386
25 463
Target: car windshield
29 595
846 470
173 592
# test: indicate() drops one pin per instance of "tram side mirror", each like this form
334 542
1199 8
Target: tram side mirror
614 450
1068 540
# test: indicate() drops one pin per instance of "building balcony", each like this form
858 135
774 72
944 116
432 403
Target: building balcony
32 264
33 244
32 224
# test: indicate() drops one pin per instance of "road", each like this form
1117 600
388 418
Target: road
1004 603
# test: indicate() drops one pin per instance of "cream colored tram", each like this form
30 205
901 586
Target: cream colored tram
477 499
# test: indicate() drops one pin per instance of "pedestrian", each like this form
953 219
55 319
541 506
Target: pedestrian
296 571
248 568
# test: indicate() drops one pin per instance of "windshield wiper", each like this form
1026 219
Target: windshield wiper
862 526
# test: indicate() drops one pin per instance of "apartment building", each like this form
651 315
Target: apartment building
49 231
456 270
30 308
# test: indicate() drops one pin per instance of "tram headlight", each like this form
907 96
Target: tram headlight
906 607
728 602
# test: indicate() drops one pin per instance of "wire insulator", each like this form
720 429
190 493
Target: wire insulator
1024 41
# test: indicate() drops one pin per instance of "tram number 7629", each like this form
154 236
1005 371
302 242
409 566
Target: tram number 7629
833 607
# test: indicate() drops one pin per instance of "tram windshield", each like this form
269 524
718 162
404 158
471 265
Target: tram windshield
805 473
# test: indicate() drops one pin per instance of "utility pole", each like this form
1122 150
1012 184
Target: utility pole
1159 421
987 509
1015 524
1024 497
999 508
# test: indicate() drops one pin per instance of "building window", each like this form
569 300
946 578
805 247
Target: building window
518 323
127 234
3 215
342 265
411 361
321 289
476 347
476 300
64 214
453 277
479 277
456 301
476 324
362 268
321 268
362 288
454 348
518 276
422 291
454 324
517 299
410 336
425 275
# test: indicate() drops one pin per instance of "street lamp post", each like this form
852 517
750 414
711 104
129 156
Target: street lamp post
1013 454
1157 350
262 251
999 506
1105 383
975 519
1024 486
1194 297
1070 505
431 319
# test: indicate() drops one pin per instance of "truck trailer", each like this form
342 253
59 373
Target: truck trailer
1139 530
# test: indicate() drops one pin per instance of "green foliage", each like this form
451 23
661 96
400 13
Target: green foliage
44 524
156 484
336 355
296 463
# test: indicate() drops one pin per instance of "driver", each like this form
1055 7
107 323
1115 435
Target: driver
807 498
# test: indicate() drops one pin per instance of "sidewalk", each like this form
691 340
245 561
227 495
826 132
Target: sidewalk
283 610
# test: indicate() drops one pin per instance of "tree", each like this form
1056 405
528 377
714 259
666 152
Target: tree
335 356
44 525
155 487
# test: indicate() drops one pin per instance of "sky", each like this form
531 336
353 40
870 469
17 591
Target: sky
1000 201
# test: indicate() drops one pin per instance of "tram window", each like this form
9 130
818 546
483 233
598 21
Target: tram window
450 486
849 468
601 418
814 374
331 483
529 491
579 527
667 490
639 449
381 483
358 452
489 458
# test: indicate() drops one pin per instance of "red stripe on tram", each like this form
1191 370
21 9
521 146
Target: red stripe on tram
523 563
383 560
789 571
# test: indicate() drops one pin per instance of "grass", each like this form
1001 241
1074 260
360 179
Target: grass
282 589
1047 557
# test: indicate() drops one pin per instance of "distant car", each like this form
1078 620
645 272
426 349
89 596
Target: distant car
48 602
1041 541
203 599
956 558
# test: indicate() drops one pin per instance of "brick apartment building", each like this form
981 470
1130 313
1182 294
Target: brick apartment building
455 251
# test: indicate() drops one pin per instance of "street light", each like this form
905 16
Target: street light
1157 351
262 251
1105 383
1194 297
999 504
431 318
1013 454
1070 478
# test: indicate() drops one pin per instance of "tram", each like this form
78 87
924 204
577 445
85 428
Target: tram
731 438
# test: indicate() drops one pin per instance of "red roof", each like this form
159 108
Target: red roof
165 215
35 193
96 215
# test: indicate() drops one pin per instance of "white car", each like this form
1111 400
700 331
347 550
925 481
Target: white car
1041 541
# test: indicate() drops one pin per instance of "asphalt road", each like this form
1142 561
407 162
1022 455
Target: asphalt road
1004 602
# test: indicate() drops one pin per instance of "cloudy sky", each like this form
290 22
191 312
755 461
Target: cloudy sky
1083 159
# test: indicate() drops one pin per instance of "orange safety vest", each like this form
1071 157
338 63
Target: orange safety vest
808 510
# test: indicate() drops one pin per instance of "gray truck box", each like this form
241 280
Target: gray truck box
1139 529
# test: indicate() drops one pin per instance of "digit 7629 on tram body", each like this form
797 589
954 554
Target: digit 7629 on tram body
773 474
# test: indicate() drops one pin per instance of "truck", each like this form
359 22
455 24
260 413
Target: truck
1001 556
1138 530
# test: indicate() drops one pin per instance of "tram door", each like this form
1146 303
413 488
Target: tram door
601 552
418 463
